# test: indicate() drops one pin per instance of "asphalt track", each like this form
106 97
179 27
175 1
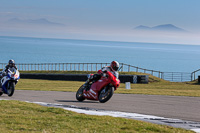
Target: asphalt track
177 107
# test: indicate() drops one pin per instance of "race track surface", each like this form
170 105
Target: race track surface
178 107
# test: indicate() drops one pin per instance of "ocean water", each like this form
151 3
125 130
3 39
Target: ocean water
154 56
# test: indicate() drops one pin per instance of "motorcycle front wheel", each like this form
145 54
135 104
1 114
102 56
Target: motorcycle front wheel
105 94
11 88
79 94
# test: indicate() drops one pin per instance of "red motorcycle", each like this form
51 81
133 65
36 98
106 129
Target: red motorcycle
101 90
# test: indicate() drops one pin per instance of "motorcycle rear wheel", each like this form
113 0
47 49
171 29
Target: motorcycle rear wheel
11 88
105 94
79 94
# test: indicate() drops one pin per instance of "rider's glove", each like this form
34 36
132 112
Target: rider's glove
105 71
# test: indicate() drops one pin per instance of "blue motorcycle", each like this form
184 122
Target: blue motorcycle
9 82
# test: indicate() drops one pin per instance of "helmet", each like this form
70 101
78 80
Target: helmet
114 65
11 63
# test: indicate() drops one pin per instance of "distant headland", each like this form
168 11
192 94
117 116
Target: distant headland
164 27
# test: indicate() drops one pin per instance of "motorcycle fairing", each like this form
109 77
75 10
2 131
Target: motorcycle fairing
4 86
4 81
93 94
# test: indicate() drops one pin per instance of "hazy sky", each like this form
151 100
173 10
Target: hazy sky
102 19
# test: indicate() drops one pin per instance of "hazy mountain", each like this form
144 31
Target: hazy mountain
165 27
41 21
142 27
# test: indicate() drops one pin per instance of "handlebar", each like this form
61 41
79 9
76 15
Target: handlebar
104 75
11 71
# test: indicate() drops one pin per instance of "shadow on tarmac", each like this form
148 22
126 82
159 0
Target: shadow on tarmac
72 101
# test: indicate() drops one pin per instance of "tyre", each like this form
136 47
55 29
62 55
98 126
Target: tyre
79 94
11 88
105 94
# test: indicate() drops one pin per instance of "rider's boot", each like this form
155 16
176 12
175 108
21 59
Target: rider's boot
86 85
1 90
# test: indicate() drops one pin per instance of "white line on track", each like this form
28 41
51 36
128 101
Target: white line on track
178 123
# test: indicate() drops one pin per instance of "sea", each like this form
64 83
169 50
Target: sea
154 56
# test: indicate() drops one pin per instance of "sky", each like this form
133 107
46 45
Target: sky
112 20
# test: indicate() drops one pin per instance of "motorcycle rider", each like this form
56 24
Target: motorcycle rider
114 66
11 66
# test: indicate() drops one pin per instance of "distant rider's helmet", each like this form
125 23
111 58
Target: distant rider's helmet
114 65
11 63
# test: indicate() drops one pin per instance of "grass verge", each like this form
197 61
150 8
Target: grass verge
153 88
22 117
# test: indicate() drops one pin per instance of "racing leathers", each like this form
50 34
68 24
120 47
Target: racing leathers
5 71
97 76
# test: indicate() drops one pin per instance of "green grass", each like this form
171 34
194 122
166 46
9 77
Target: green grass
21 117
163 88
25 117
156 85
153 88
